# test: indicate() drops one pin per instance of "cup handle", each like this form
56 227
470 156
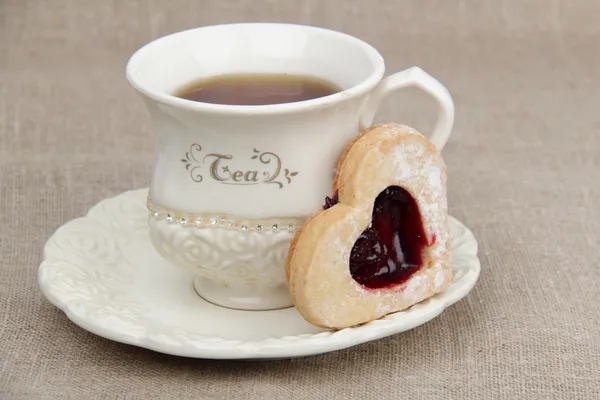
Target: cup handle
414 76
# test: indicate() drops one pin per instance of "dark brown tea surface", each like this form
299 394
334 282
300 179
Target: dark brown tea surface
256 89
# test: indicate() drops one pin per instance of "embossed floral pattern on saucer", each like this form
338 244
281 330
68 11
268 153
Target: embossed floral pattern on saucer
103 272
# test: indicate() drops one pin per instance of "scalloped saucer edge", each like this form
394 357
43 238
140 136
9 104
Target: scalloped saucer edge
102 271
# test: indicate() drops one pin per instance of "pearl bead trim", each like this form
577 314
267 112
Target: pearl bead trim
203 220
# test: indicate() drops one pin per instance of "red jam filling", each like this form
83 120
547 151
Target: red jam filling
390 250
331 201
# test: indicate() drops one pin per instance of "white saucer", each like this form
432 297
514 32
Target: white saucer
102 271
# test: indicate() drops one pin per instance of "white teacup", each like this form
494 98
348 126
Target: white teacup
232 183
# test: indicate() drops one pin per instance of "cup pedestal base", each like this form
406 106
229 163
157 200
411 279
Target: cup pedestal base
243 298
243 270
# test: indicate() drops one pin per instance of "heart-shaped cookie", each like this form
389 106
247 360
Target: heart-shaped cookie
381 242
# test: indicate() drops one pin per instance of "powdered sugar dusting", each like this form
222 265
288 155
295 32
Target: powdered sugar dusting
439 276
414 284
403 167
439 249
434 178
398 129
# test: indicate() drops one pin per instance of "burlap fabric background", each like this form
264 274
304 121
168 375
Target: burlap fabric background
523 174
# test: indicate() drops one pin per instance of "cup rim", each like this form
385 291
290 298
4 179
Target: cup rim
168 99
